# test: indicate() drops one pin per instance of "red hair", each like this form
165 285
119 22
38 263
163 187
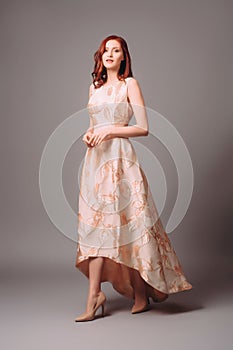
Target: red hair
99 74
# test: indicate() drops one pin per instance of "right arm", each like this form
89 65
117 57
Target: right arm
90 130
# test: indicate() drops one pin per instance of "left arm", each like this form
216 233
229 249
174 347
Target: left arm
140 129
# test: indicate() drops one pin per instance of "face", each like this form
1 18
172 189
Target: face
113 55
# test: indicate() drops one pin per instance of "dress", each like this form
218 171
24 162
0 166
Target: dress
117 216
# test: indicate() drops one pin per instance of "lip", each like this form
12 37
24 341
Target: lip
109 60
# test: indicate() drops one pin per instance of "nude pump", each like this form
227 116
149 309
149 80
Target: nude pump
146 307
101 299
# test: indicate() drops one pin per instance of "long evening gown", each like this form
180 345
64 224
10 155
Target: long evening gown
117 216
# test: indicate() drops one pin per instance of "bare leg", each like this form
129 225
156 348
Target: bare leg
96 297
139 289
95 270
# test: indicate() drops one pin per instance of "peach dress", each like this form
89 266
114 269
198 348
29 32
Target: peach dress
117 216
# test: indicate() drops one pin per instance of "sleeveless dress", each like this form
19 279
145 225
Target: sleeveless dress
117 216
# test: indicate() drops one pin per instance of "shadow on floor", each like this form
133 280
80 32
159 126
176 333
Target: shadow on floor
203 292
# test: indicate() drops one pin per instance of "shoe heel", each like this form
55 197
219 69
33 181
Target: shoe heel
102 310
91 316
103 313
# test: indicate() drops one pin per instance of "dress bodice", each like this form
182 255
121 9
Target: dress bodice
109 104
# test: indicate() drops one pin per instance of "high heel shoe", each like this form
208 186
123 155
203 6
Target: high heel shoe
100 301
157 299
146 307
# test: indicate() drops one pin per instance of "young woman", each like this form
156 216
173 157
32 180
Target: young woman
121 237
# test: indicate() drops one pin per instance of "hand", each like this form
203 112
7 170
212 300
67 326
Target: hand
101 134
86 138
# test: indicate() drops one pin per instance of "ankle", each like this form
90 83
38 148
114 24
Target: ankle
94 293
140 298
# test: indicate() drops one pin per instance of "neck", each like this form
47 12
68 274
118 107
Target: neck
111 75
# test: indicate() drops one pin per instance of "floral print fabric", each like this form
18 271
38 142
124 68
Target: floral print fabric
117 216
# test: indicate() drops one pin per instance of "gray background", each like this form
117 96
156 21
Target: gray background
182 57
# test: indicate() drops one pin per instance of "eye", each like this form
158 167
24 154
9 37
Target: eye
116 50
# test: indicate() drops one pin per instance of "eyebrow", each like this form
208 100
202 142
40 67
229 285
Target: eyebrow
115 47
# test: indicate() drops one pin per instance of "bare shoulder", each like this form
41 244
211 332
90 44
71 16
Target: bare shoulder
131 80
134 91
132 83
91 89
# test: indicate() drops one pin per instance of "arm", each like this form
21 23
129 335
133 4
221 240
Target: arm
90 130
138 105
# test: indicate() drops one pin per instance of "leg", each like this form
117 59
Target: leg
95 270
96 297
139 289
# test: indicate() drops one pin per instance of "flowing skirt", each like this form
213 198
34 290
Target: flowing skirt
118 220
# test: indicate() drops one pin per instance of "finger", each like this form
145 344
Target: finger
91 138
87 140
88 136
93 142
100 139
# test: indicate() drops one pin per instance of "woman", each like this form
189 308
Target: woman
121 237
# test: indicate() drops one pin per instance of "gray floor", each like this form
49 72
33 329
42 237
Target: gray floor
38 307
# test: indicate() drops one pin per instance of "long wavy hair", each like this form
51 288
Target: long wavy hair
99 73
